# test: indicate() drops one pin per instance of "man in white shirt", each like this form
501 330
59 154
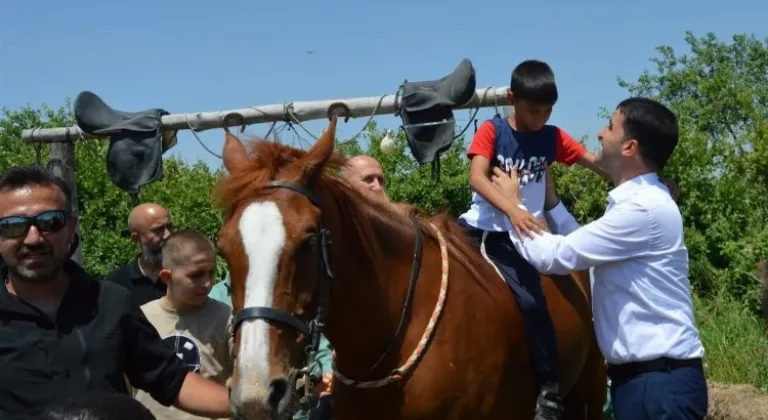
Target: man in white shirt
642 303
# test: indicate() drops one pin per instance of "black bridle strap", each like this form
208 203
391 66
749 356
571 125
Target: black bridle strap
295 187
270 314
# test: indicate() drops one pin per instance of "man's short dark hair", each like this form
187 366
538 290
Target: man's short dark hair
655 128
98 406
34 176
534 81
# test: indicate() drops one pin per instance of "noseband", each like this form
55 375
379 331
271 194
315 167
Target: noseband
314 328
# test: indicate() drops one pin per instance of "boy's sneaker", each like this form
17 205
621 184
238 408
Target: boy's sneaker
549 406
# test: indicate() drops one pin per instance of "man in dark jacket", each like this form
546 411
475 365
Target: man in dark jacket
63 333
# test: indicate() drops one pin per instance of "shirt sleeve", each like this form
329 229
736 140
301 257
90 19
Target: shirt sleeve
568 150
324 356
560 220
623 232
484 142
150 365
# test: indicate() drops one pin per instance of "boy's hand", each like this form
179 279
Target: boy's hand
522 221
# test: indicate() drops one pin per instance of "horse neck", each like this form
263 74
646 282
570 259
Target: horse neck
372 258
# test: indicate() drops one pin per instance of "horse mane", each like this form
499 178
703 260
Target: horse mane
375 220
266 160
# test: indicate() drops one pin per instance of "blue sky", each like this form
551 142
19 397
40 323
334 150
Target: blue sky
196 56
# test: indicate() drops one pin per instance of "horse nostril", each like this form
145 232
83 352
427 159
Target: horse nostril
278 388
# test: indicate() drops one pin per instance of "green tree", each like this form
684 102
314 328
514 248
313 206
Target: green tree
719 90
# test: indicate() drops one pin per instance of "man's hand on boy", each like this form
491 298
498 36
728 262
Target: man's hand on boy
523 222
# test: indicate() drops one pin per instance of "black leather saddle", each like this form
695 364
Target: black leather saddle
136 140
426 110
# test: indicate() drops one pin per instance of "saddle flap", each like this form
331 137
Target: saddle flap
137 140
426 110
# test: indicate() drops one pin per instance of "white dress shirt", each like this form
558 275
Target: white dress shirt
641 294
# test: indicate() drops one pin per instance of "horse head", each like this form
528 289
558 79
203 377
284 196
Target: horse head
276 248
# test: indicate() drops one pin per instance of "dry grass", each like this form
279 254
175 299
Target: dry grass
736 402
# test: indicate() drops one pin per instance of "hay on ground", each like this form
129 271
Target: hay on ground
736 402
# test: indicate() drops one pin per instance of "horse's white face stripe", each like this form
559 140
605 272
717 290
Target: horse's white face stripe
263 234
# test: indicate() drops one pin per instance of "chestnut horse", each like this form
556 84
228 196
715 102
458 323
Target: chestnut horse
421 324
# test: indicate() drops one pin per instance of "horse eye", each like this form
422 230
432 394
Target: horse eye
310 239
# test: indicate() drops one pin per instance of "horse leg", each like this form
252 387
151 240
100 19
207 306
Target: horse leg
586 399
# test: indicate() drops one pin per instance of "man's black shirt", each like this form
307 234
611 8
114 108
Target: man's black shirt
98 335
142 288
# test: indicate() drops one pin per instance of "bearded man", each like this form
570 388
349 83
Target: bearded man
149 225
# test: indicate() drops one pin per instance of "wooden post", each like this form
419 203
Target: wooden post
289 111
61 160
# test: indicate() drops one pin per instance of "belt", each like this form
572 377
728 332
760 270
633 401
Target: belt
625 371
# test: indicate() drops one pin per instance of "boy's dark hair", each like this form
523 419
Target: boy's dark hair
655 128
182 244
98 406
534 81
34 176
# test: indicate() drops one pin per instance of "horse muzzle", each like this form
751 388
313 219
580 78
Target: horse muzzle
279 400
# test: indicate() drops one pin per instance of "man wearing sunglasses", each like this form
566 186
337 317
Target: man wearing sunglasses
149 225
63 333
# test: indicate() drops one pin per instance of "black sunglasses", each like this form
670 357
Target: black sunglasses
14 227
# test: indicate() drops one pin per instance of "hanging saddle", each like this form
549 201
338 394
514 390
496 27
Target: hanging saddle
426 110
136 140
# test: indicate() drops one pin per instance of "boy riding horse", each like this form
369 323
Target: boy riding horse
523 142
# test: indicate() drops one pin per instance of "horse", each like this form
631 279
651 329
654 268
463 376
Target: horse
421 325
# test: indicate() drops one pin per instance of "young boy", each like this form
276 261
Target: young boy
199 329
525 142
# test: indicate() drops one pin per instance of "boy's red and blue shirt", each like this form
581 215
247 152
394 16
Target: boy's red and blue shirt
529 151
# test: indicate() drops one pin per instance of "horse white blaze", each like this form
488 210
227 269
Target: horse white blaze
263 235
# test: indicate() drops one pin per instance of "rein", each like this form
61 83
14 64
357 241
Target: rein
314 328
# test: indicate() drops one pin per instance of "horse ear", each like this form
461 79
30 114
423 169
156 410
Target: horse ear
313 163
234 152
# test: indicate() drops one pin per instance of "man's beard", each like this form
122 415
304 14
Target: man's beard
152 254
45 272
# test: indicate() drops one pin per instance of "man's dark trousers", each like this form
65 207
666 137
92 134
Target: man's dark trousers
679 394
525 282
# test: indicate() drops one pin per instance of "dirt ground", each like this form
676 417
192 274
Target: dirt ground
736 402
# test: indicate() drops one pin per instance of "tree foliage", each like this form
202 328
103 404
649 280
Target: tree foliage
718 89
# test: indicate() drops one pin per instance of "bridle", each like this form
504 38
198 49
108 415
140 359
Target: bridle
314 328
